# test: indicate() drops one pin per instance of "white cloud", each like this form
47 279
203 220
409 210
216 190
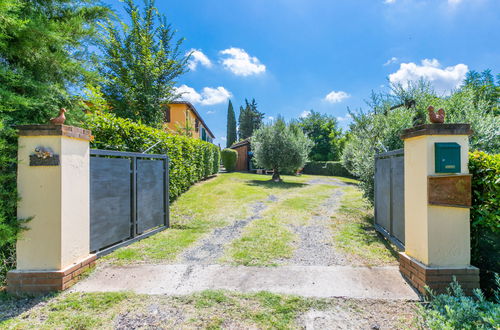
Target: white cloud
443 79
223 138
336 97
239 62
454 2
389 1
209 96
391 61
344 118
210 112
197 57
305 113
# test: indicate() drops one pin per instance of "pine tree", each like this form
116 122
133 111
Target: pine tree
231 125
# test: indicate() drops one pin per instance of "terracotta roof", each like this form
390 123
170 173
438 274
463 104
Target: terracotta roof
241 143
197 115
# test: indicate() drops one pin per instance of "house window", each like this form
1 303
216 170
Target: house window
166 113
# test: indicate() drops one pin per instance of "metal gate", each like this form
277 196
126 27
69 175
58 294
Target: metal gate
389 195
128 198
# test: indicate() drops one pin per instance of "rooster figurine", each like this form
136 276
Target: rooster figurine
59 120
436 118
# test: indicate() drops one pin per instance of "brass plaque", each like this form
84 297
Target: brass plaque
449 190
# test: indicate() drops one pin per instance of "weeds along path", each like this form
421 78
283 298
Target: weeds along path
211 248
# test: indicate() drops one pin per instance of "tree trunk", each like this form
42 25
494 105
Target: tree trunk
276 176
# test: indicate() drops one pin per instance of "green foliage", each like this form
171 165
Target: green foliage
455 310
326 168
229 158
249 120
190 159
280 147
231 125
485 215
43 55
378 130
140 64
327 137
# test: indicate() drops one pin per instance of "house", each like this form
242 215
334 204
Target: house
244 155
183 116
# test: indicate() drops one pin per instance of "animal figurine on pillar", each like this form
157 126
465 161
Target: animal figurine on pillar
59 120
436 118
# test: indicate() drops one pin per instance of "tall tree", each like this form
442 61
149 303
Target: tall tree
140 64
327 137
249 119
43 57
281 147
231 125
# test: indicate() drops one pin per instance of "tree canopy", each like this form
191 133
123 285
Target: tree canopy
327 137
140 64
249 119
281 147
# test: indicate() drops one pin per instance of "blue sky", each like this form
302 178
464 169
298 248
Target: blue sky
326 55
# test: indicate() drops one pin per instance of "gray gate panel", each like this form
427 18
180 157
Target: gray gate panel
398 200
151 204
383 192
110 200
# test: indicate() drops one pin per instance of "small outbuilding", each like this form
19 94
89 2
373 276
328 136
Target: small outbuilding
244 154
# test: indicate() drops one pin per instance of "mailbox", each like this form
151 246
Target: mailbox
447 157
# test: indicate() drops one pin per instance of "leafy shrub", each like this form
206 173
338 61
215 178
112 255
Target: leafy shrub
229 157
326 168
455 310
485 215
190 159
9 226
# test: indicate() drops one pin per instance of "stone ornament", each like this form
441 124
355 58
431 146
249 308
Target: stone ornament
44 157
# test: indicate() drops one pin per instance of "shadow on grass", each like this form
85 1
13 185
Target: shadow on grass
12 306
272 184
372 236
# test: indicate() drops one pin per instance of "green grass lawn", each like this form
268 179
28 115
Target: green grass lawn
207 205
229 197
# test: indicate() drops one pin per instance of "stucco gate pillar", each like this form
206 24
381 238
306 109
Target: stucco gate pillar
53 184
437 202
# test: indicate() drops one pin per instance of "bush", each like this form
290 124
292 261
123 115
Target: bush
485 216
326 168
190 159
229 157
457 311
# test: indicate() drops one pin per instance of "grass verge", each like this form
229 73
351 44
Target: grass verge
356 235
206 310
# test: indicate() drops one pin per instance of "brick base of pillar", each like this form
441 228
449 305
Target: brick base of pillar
437 278
24 281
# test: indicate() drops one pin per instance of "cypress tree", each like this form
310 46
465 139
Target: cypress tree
231 125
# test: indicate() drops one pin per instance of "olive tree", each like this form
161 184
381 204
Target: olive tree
281 147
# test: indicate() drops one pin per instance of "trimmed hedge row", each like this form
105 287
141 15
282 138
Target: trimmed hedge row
326 168
191 160
229 158
485 215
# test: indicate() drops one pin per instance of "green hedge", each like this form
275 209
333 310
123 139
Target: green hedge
326 168
485 215
191 160
229 157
